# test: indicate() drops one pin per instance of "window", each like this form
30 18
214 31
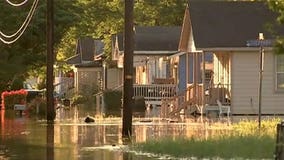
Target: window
280 72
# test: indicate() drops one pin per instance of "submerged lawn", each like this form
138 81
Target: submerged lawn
229 147
245 141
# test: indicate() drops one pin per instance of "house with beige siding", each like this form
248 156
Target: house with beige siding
229 30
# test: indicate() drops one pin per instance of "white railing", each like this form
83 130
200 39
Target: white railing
154 93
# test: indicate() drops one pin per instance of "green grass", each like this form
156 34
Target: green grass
244 141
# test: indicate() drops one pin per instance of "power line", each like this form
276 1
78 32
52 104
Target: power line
23 25
9 39
17 4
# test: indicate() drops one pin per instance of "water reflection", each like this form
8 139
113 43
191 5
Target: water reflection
50 141
71 138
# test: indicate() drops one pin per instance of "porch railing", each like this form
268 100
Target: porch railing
221 92
154 93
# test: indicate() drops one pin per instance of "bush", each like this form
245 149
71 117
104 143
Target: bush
78 99
113 102
139 106
112 99
37 107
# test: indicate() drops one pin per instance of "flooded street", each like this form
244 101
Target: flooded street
71 138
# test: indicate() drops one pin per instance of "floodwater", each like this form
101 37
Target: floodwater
71 138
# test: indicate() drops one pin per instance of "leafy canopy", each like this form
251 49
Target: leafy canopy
99 19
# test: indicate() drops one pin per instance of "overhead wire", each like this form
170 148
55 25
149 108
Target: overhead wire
24 23
5 38
17 4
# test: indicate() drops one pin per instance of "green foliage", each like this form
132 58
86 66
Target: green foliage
244 141
112 99
17 83
78 99
279 46
249 127
101 19
37 107
29 52
86 95
139 105
156 13
73 19
246 147
278 7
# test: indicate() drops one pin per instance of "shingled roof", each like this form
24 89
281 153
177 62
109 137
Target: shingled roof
153 38
230 23
86 49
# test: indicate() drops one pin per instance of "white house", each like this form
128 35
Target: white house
229 30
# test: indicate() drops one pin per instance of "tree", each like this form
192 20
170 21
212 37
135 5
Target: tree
99 19
278 7
27 56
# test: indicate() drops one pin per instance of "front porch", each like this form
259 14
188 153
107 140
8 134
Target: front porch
155 93
197 88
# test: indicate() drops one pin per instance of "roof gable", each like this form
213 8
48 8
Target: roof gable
152 38
86 49
229 23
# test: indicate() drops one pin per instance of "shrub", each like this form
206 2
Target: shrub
112 99
78 99
139 106
37 107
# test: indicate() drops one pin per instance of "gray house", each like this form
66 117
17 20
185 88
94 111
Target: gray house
88 71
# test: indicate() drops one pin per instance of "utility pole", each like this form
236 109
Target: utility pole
128 70
260 39
49 63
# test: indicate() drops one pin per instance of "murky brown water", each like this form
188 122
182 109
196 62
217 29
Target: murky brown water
73 139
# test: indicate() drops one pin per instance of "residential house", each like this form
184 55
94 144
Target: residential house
154 72
87 65
229 30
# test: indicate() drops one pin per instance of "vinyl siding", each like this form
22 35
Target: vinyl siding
245 84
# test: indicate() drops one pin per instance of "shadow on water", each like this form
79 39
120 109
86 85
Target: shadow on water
71 138
50 141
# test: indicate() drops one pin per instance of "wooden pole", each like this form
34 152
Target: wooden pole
49 62
203 84
128 70
261 56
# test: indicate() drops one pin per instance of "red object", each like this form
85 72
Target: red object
7 93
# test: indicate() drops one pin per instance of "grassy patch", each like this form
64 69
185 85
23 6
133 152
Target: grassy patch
226 147
244 141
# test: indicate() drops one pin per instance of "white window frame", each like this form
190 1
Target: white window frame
277 72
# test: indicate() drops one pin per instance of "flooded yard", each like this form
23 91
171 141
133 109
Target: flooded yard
71 138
